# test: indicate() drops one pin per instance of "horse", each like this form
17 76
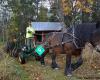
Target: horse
72 43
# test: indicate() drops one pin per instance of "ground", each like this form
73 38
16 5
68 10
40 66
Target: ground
11 69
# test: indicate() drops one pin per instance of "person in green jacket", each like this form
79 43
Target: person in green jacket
30 31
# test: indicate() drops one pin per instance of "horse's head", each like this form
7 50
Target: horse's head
96 39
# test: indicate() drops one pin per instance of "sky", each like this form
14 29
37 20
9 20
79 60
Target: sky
46 4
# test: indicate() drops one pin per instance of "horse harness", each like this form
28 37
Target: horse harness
68 41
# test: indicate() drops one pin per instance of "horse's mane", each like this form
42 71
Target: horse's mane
98 24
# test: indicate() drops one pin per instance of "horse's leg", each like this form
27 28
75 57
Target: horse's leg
78 63
68 70
42 60
54 64
80 60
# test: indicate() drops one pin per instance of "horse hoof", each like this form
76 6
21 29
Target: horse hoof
69 75
43 65
56 68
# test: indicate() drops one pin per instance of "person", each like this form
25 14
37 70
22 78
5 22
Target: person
30 31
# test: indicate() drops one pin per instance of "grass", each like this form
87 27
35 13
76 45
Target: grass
38 72
11 69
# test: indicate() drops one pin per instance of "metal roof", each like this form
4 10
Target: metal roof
47 26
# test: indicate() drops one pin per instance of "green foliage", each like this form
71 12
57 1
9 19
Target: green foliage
42 16
23 11
53 18
53 11
96 10
11 70
79 12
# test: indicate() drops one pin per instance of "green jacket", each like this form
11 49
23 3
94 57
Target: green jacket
29 32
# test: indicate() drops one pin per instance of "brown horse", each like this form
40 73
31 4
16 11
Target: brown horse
72 42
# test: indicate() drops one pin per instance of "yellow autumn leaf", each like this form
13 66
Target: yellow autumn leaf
90 1
87 10
63 1
79 4
67 10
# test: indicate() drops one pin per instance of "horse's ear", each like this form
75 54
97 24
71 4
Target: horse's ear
98 24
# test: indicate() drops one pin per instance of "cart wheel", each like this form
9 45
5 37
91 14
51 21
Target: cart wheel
21 59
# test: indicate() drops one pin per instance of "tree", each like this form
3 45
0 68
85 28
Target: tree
96 11
4 19
42 16
23 11
54 12
74 9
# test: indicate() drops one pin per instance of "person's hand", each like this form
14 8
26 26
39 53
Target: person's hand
33 34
